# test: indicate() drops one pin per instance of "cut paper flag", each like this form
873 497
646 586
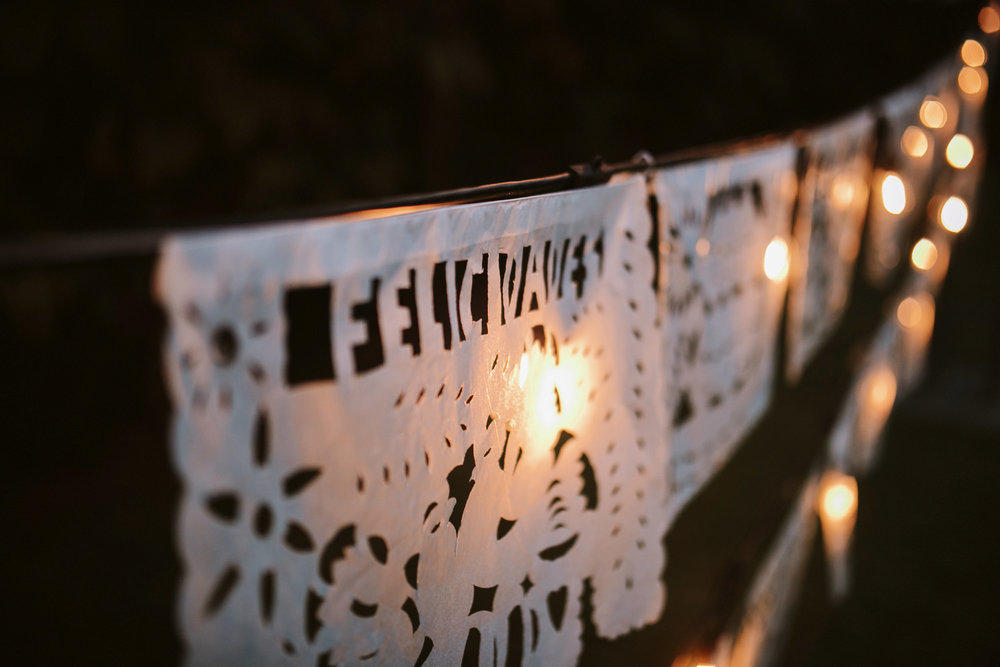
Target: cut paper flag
892 368
412 440
833 200
725 236
918 121
757 640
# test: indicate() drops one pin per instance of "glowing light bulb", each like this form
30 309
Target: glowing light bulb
776 260
989 20
959 151
909 312
882 389
973 53
522 374
933 113
838 500
702 247
914 141
842 193
893 193
924 254
954 214
971 80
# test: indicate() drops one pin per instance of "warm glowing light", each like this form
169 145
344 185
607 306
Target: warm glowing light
553 394
954 214
909 312
973 53
971 80
916 315
924 254
776 260
932 113
959 151
842 193
838 500
702 247
838 509
893 193
557 395
989 20
882 390
914 141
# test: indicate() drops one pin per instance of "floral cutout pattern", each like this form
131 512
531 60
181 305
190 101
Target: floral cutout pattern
481 452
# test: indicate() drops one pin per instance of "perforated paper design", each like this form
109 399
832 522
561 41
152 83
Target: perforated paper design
833 200
419 440
721 311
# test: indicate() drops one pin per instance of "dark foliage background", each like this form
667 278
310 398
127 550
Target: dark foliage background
118 117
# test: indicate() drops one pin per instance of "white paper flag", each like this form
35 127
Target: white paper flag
719 218
919 121
411 440
833 200
893 367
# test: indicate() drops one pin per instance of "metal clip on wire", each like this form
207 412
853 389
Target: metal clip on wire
589 173
645 160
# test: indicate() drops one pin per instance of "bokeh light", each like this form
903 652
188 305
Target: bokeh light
989 20
776 260
971 80
914 141
959 151
893 193
954 214
933 113
973 53
924 254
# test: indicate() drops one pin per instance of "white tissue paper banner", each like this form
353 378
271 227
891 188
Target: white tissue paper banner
913 152
892 367
833 200
721 311
420 439
773 593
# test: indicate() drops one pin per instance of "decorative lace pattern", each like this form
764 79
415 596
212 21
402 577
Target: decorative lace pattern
419 440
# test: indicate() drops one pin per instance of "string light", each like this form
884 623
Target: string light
916 315
954 214
893 193
908 312
959 151
776 260
914 141
838 511
933 113
842 193
881 390
973 53
989 20
924 254
971 80
839 500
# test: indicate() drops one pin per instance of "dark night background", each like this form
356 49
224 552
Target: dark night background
122 118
